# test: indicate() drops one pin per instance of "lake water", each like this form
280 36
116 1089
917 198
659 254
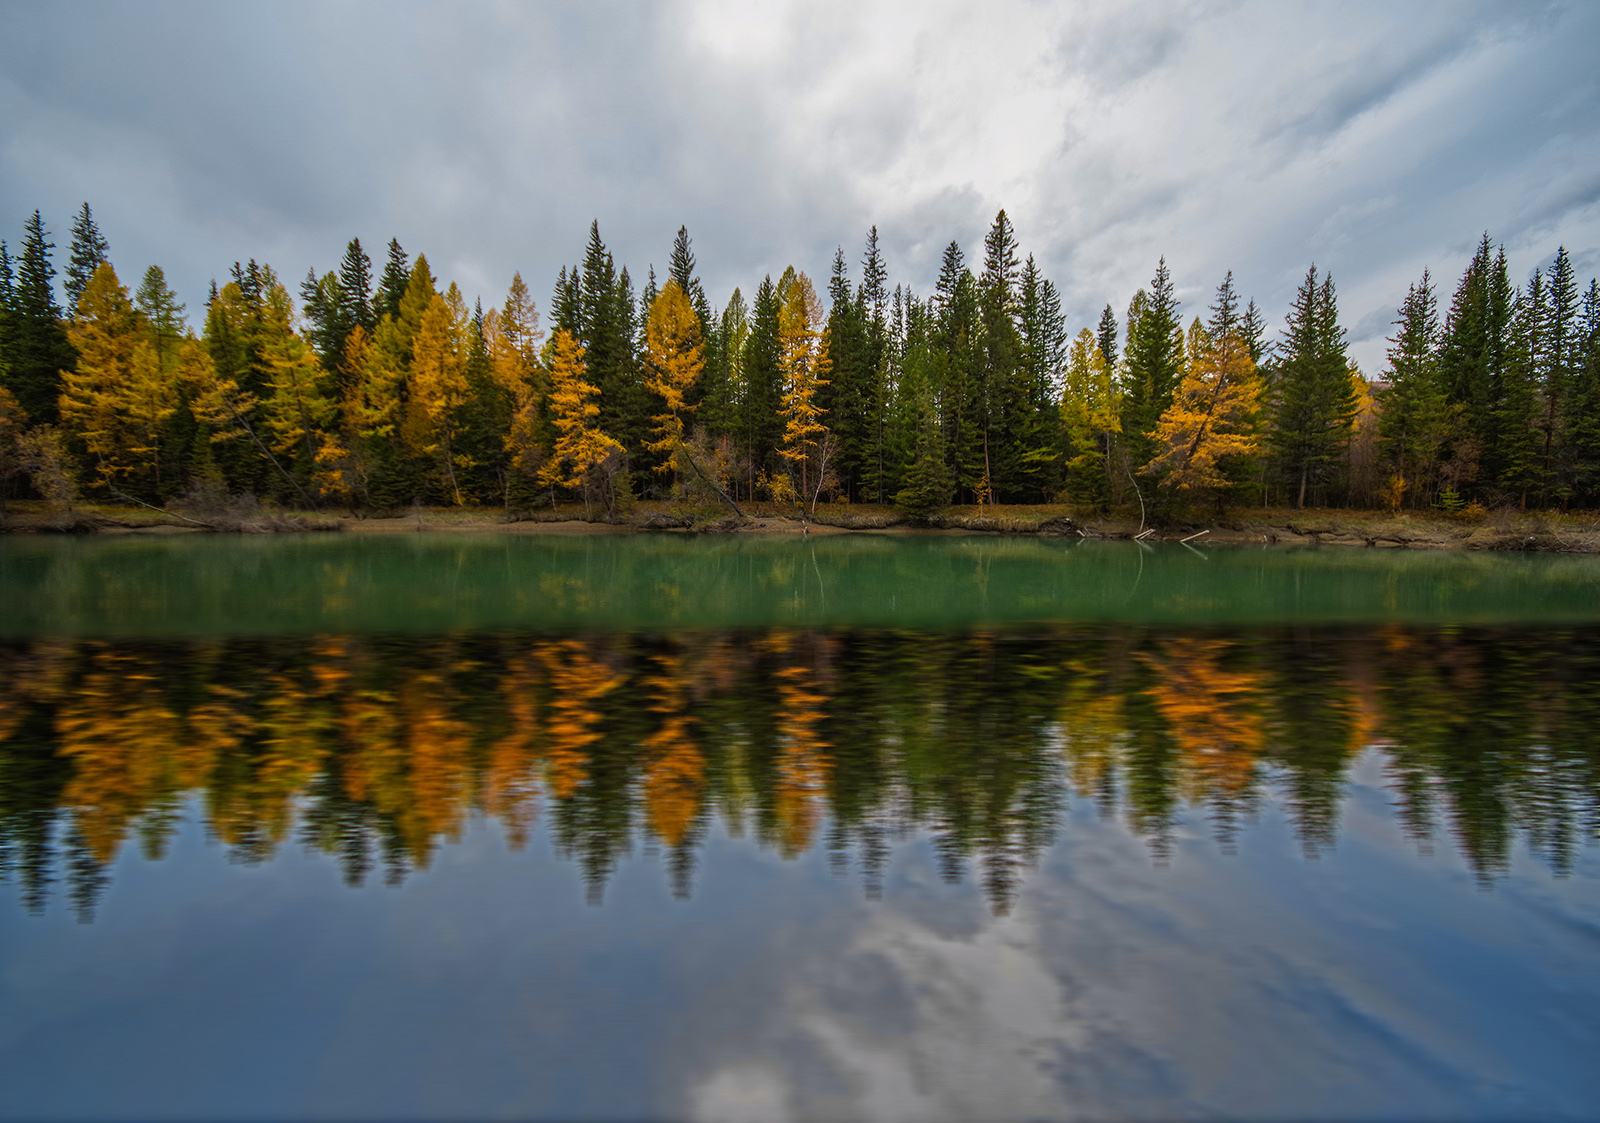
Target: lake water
744 828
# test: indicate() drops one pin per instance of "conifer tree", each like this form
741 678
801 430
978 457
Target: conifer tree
956 378
585 458
1212 419
1154 362
1043 332
760 423
1557 369
803 347
680 268
1414 418
438 388
116 401
163 313
847 398
392 285
927 472
89 251
37 348
1090 412
1582 452
1313 402
674 362
300 402
1106 336
355 290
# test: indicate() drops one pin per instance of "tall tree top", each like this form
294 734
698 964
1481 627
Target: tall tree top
89 250
392 285
1000 264
874 275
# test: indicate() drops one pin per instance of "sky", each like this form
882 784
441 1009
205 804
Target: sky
1373 140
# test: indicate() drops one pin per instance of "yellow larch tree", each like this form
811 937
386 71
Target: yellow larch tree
803 355
438 386
674 359
300 403
511 335
1091 410
117 401
1212 418
584 458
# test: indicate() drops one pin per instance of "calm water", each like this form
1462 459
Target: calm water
864 828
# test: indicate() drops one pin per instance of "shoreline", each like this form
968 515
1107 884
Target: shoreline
1501 531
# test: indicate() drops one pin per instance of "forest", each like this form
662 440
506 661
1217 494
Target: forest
377 751
373 389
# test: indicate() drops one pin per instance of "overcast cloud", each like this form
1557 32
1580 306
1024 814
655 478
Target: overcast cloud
1374 139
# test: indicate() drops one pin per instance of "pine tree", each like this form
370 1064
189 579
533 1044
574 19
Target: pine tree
1558 368
89 251
1414 418
680 268
37 348
355 290
392 285
1212 419
1106 336
1582 451
956 379
115 402
438 388
847 398
585 458
1154 362
927 472
1090 413
803 347
1043 332
760 424
674 362
1313 403
162 311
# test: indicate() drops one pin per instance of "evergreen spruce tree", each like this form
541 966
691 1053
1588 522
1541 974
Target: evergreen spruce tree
1414 419
1558 368
872 302
566 304
89 250
1106 336
1011 459
1514 455
1313 402
1043 331
927 472
1582 451
956 378
37 346
846 399
760 425
355 290
1153 363
392 285
680 268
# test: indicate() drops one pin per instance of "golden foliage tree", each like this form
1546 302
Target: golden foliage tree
803 355
1212 418
584 459
1091 410
118 401
438 386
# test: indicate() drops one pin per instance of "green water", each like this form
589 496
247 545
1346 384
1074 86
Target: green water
223 585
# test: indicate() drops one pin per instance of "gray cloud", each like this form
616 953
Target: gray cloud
1375 140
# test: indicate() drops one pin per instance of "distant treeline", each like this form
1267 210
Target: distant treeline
377 390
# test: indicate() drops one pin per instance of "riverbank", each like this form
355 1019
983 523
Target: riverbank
1537 531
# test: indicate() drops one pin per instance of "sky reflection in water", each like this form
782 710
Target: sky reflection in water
1048 873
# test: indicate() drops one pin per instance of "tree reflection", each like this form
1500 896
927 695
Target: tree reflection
377 751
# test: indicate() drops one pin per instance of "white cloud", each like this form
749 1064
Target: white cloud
1374 139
